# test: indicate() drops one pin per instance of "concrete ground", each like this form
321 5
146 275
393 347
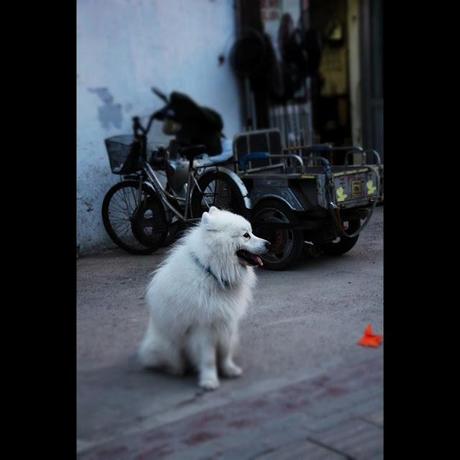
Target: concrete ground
308 390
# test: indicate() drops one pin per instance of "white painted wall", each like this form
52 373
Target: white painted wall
123 48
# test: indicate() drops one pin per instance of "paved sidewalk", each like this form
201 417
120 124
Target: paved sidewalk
308 391
336 415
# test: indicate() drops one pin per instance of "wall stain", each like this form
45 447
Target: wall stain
110 113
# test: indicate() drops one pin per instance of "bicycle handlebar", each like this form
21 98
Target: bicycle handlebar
160 94
137 125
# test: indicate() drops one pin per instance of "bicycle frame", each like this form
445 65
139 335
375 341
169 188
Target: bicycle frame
165 196
140 134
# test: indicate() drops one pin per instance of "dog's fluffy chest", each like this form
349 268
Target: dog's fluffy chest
195 296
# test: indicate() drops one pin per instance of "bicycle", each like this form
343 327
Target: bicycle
140 213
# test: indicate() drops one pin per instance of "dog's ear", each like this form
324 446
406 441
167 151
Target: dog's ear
213 209
206 219
208 222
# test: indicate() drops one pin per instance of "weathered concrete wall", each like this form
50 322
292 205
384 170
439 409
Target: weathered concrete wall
123 48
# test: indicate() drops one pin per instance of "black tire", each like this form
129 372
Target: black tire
175 232
138 227
218 190
344 244
287 244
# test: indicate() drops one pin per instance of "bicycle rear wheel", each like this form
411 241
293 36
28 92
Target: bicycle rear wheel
134 221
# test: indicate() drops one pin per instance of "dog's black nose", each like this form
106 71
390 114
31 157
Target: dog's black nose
267 244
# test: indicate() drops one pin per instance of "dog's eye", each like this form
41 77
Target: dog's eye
247 235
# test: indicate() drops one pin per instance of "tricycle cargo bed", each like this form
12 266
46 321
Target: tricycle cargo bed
354 186
269 170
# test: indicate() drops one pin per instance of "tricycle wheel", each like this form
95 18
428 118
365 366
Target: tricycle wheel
286 242
344 244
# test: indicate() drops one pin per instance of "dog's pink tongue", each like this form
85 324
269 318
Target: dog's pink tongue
259 261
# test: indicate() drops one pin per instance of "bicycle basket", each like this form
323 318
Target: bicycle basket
124 154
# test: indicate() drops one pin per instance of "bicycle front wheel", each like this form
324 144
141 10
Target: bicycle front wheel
217 189
135 220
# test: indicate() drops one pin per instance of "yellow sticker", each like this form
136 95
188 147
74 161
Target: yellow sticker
371 188
341 195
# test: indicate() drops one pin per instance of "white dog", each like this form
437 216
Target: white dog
198 295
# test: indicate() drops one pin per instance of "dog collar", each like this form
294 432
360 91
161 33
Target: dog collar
221 282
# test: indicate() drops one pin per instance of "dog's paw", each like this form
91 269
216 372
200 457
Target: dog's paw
232 370
209 384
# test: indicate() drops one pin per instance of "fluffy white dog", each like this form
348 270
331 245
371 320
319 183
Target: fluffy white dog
197 297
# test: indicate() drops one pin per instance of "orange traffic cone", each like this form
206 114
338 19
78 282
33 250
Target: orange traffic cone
369 339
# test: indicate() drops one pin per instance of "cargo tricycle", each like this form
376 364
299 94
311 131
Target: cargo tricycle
299 200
